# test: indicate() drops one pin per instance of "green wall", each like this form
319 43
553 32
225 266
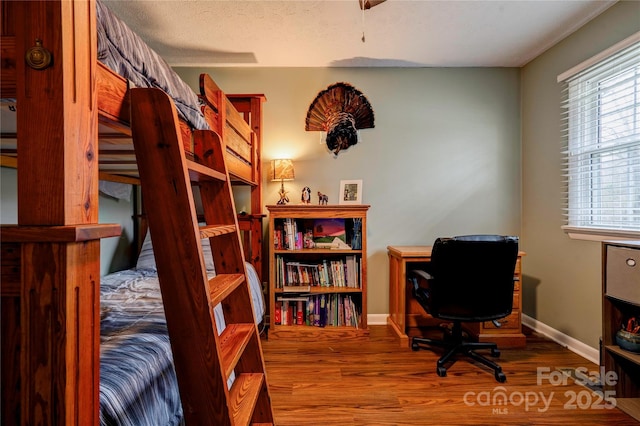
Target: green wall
562 285
443 158
115 253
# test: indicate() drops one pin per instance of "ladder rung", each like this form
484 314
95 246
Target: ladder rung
233 340
198 172
222 285
243 396
208 231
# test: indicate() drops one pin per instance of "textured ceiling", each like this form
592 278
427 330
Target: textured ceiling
309 33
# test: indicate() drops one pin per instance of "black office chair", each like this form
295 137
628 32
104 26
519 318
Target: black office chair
469 279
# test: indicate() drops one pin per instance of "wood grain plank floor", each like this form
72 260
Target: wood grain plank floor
374 381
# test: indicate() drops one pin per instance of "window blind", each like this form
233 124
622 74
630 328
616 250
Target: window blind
601 143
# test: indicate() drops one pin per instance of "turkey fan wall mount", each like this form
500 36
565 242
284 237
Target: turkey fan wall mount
340 111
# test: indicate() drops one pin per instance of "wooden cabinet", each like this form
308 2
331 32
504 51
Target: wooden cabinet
317 284
406 313
621 301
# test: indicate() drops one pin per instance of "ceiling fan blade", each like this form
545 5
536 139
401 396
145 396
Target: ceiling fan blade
368 4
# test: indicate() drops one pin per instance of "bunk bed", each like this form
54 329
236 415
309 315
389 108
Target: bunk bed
50 259
125 61
138 384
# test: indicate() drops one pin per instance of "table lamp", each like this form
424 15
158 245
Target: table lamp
282 170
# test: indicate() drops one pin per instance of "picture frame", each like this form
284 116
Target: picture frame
350 192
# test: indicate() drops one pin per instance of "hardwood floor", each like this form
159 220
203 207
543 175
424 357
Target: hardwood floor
376 382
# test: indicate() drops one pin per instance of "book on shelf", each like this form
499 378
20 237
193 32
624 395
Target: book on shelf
281 312
335 244
299 313
294 298
297 276
287 311
278 313
356 237
292 234
289 234
326 230
316 312
319 310
296 288
277 239
322 311
310 311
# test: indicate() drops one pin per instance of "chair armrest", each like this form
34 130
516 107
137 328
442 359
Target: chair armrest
422 274
420 293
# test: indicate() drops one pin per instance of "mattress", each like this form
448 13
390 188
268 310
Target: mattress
125 53
138 384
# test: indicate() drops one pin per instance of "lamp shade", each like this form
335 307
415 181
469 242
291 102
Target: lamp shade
282 170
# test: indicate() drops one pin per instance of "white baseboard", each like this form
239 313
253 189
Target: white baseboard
562 339
377 319
574 345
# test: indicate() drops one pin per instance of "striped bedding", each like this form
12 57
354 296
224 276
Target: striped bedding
137 380
125 53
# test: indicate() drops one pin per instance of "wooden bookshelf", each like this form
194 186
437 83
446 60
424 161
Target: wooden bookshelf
621 301
303 276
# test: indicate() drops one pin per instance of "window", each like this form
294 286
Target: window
601 132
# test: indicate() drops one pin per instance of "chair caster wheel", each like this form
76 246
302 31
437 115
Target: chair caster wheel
495 353
414 346
442 372
500 377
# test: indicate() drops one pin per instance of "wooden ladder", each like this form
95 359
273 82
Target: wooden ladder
205 361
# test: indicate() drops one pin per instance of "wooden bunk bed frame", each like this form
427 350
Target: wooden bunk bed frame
51 258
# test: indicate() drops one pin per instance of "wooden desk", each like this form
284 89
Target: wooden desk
406 313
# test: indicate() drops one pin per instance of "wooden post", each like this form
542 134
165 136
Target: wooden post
58 189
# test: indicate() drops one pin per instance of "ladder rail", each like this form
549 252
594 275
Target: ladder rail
203 359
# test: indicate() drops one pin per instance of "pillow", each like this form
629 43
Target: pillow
146 260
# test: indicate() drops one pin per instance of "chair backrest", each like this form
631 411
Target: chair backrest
473 277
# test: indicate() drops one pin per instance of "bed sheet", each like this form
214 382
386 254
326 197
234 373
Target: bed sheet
138 385
125 53
137 380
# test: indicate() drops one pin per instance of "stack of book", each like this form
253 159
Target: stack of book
344 272
321 310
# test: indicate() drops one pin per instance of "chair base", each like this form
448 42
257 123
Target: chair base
455 345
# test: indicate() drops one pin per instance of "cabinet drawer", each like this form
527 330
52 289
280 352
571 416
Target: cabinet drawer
623 274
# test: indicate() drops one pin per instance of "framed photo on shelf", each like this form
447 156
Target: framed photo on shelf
350 192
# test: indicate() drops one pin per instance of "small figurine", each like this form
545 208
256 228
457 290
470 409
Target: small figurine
322 198
283 196
306 195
